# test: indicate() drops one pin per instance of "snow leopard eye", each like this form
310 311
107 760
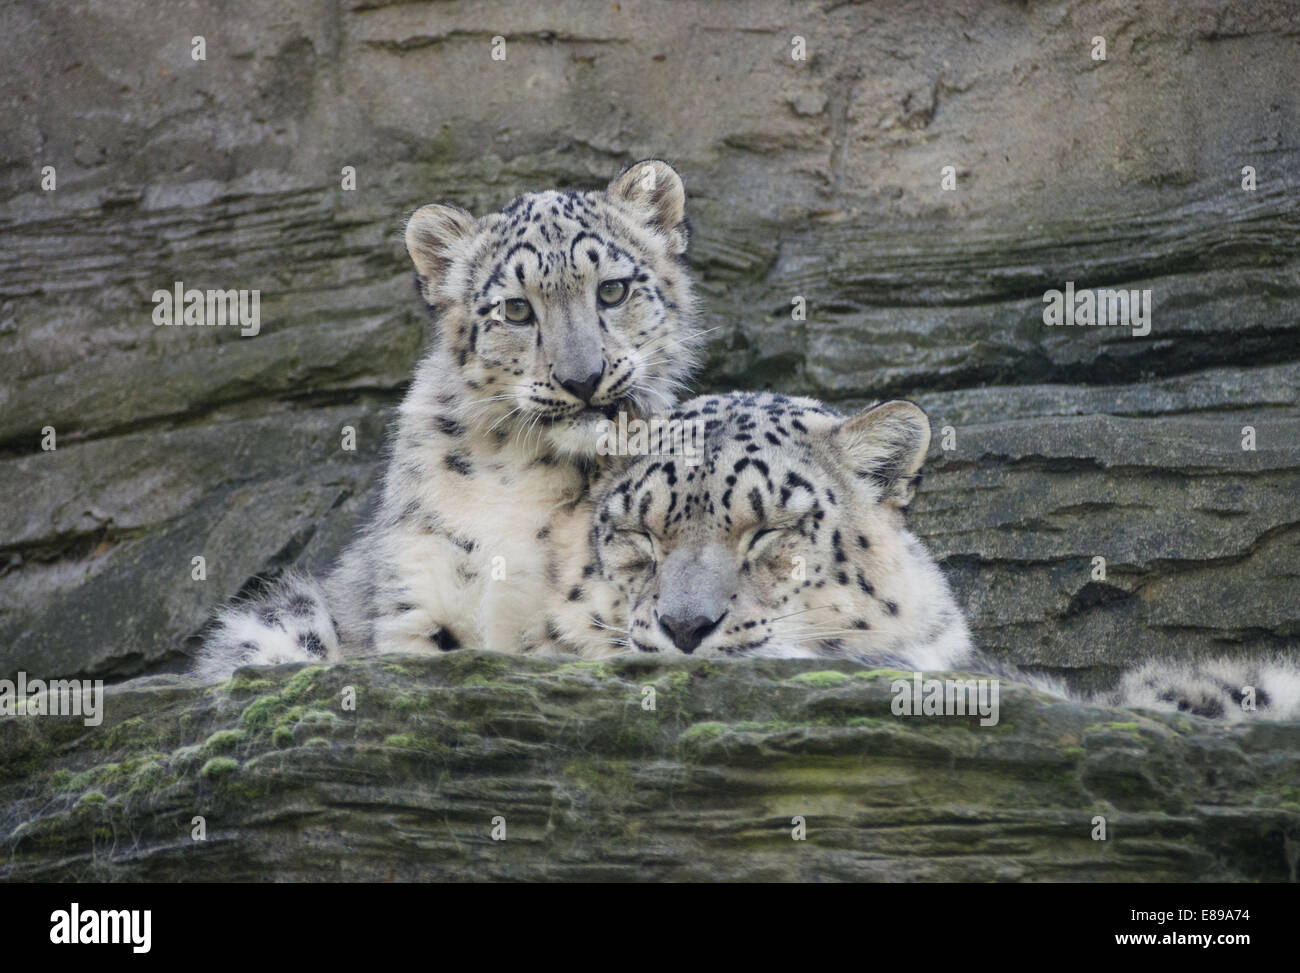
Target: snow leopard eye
641 542
761 540
516 310
612 292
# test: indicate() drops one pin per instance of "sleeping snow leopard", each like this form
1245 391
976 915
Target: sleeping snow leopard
788 540
550 316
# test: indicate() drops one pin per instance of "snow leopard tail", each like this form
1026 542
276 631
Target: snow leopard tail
287 623
1228 689
1234 690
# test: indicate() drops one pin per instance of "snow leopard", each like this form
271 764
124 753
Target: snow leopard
549 317
787 538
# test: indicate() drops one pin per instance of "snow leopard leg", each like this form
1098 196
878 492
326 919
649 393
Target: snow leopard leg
289 623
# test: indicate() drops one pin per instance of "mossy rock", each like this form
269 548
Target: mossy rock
594 783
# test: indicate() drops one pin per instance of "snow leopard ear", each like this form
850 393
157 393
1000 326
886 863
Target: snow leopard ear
655 191
887 444
432 236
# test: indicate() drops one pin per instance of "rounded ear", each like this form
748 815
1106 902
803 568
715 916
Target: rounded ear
654 191
887 444
432 235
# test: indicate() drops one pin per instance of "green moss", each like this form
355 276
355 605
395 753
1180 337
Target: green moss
611 781
224 740
601 670
771 726
311 716
219 767
244 684
875 722
678 681
397 670
1127 785
25 749
700 732
132 734
409 702
302 685
65 781
469 665
641 732
185 758
480 681
260 713
705 669
824 679
148 775
45 833
493 695
282 721
1062 777
412 741
883 674
316 742
91 798
1113 726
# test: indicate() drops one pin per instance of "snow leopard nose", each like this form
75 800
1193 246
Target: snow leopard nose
688 633
583 388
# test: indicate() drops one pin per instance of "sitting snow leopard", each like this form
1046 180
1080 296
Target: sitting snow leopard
549 317
788 540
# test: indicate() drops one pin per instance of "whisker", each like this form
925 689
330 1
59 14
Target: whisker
819 608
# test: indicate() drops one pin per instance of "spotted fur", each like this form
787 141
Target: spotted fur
788 540
496 439
1219 688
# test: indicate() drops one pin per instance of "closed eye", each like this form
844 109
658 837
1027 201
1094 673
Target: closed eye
640 539
762 538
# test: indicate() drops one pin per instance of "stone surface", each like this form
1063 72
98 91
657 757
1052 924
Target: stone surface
817 178
592 785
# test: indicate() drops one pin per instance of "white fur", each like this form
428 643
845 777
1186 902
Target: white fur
1214 686
928 633
493 449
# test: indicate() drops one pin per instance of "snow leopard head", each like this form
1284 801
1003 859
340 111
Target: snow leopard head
565 307
786 539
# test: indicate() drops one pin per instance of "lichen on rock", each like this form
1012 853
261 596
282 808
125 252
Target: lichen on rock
597 779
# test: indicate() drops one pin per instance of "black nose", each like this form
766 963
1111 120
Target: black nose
586 388
688 633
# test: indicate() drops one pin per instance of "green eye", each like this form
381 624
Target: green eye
612 292
516 310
